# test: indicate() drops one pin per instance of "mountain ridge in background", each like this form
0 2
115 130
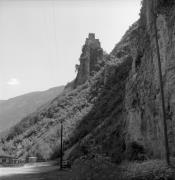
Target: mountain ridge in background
16 108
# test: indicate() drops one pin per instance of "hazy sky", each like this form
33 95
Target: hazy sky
41 40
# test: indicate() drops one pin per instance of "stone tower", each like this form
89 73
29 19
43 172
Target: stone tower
91 56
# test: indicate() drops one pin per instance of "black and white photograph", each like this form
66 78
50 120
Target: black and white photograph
87 89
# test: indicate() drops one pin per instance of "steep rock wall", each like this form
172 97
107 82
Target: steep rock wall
142 101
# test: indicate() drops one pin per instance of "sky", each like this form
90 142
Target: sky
41 40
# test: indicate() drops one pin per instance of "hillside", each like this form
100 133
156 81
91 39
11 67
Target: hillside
112 108
83 107
14 109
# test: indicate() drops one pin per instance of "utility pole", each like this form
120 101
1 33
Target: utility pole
61 150
161 85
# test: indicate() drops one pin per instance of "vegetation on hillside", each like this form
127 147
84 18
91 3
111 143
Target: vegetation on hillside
92 114
14 109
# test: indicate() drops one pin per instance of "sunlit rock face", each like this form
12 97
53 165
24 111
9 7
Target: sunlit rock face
90 59
143 104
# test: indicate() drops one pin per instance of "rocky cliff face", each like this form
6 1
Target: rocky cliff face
142 100
142 114
90 60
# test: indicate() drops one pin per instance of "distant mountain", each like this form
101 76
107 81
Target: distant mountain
14 109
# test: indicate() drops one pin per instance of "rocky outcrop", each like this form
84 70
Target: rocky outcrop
142 100
90 60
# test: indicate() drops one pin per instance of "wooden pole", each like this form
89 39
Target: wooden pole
61 150
161 87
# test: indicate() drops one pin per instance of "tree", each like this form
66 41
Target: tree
77 66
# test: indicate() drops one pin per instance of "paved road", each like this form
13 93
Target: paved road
39 171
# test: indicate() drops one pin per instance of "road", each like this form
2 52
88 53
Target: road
38 171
